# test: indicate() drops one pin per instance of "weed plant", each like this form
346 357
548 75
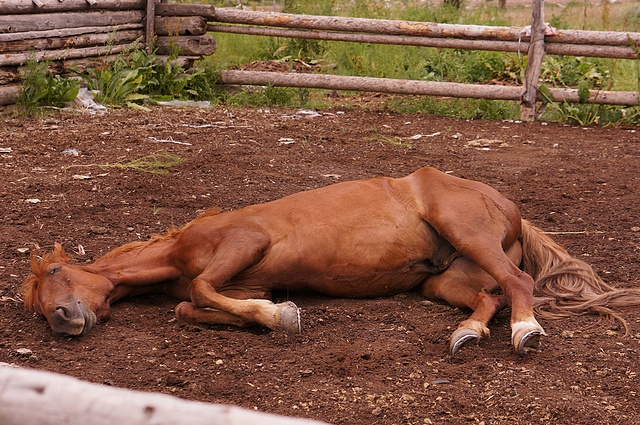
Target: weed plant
40 87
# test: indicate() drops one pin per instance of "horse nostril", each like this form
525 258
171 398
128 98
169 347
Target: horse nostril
63 311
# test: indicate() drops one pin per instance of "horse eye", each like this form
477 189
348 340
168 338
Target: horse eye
55 269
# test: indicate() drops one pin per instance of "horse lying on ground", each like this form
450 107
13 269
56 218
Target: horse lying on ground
454 239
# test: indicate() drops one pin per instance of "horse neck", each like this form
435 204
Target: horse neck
137 265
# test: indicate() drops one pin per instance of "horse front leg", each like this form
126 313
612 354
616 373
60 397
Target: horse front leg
211 305
237 251
287 316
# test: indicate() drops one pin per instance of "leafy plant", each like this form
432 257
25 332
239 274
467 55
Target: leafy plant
41 88
140 77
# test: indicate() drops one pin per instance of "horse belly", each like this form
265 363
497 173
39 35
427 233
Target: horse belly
362 267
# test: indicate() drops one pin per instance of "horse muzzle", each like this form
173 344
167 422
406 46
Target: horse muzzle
72 318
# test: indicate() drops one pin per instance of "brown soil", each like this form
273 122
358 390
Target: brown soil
380 361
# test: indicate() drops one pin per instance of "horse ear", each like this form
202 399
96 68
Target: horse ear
58 254
35 264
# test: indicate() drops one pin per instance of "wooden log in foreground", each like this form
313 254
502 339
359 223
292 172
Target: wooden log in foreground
426 88
52 21
30 397
28 6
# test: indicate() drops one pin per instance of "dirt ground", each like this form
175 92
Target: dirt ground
380 361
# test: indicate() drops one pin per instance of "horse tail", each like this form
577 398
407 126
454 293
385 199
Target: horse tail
566 286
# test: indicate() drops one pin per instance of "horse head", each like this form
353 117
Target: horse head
71 298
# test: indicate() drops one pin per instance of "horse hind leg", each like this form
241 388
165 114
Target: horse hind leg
464 284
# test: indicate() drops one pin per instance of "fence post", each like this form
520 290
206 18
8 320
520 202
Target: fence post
534 62
150 29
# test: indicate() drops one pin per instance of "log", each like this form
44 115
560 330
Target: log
201 45
83 40
206 11
424 29
9 75
426 88
446 43
181 25
52 21
622 98
66 32
9 7
8 96
14 59
371 84
374 26
81 64
605 38
30 397
534 62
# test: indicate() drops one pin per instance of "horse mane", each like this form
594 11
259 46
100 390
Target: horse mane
29 285
566 286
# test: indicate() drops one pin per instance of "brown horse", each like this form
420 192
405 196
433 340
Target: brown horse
455 239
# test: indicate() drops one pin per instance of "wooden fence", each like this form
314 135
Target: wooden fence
534 41
81 33
71 31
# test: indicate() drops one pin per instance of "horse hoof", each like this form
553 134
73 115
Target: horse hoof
462 337
530 341
290 318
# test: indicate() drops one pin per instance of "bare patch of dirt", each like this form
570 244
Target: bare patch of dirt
379 361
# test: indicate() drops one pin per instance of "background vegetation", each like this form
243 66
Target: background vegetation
140 78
